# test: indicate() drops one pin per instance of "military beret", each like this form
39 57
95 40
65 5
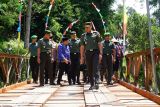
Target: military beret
47 31
107 34
88 23
73 32
65 39
34 37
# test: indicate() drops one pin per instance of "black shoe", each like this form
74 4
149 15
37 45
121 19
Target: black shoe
46 82
70 83
52 84
109 83
41 85
74 83
96 86
91 88
78 83
36 82
58 83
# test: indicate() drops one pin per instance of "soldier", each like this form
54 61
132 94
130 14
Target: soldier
64 60
54 63
33 58
91 45
45 59
108 57
75 57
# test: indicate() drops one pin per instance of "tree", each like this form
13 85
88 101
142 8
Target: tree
88 13
8 18
138 32
155 4
28 23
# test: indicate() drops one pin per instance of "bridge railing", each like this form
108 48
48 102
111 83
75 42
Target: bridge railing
13 69
139 69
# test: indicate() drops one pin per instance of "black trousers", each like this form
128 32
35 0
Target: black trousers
102 72
45 64
116 65
54 65
83 68
92 58
63 67
34 68
108 66
75 67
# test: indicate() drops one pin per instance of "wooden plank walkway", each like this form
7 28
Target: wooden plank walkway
73 96
129 98
27 96
67 96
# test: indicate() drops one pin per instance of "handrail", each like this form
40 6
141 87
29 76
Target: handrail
13 69
139 69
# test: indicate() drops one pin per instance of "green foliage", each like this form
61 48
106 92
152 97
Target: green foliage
11 47
8 17
155 4
156 35
138 32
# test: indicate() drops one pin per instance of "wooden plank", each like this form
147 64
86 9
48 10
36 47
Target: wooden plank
64 105
67 96
38 96
90 98
128 97
12 87
110 98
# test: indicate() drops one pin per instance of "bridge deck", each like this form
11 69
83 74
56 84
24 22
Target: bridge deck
73 96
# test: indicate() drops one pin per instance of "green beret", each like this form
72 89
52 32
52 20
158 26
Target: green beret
107 34
47 31
34 37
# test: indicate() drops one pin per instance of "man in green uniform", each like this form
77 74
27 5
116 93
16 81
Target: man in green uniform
54 63
45 59
92 46
74 44
108 57
33 58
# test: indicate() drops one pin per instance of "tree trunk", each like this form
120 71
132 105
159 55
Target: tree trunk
28 23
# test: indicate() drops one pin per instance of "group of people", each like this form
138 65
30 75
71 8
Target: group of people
71 53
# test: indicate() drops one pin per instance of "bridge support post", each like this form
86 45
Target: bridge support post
151 47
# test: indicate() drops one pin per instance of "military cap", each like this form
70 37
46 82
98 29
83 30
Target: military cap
73 32
47 31
107 34
65 39
34 37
